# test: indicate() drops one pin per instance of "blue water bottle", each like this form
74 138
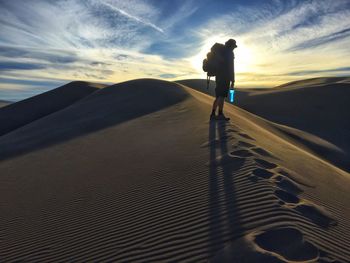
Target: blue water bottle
232 95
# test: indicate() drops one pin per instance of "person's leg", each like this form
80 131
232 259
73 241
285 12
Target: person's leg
220 103
215 105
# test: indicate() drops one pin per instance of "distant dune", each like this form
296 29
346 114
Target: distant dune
313 112
23 112
4 103
135 172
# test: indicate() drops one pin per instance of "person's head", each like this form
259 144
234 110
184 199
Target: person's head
231 43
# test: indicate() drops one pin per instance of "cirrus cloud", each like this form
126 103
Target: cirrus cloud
115 40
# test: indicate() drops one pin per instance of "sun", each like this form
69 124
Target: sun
244 55
244 58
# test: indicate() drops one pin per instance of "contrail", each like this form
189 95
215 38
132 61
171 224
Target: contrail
120 11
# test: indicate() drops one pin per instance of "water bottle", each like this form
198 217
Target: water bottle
232 95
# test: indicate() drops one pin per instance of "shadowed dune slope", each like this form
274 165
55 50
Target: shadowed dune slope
135 172
23 112
315 111
106 107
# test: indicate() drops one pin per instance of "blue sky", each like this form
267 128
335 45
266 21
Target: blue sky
44 44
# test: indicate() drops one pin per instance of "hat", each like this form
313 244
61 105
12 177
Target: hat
231 42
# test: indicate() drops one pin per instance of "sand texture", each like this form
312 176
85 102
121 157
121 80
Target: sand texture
135 172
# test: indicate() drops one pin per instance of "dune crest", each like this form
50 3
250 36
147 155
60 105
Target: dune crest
303 111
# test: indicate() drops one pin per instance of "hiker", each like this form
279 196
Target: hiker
224 78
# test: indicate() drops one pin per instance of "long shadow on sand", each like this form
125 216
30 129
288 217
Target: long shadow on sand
225 218
105 108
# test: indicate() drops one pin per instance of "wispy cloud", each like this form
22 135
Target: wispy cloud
319 41
116 40
53 56
95 40
5 66
113 6
340 71
287 36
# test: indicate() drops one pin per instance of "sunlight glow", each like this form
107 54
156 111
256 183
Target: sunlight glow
244 55
244 58
197 60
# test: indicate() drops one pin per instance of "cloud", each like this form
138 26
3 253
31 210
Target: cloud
178 14
284 24
286 36
168 76
53 56
19 89
77 24
117 40
321 40
114 6
26 82
4 66
93 40
339 71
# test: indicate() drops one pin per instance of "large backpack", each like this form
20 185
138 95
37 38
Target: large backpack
211 64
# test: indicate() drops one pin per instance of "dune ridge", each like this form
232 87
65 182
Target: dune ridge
26 111
135 172
313 112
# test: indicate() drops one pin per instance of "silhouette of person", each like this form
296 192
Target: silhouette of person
223 78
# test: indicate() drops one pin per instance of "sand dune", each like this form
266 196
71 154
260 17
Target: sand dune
135 172
315 112
4 103
23 112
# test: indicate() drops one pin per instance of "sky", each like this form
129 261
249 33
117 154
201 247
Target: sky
44 44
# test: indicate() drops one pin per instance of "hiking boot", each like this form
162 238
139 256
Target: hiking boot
221 117
212 117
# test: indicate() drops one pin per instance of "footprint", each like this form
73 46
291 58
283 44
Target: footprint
263 152
241 153
316 215
287 184
262 173
245 144
287 243
231 130
287 197
305 208
325 258
246 136
294 176
265 164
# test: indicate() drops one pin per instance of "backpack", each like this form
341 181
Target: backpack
211 64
